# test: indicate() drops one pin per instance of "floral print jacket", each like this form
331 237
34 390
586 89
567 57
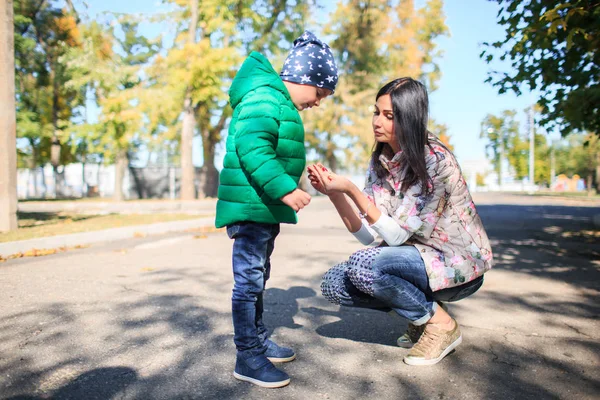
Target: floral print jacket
445 226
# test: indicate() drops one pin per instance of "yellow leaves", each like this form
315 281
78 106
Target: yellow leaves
41 252
205 229
67 27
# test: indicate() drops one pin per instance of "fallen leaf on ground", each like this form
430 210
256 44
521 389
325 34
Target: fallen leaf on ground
41 252
205 229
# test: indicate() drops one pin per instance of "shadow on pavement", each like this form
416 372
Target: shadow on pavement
282 305
97 384
382 328
553 242
170 342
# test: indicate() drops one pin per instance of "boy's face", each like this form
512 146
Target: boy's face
306 96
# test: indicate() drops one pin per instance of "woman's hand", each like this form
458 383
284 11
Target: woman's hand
326 182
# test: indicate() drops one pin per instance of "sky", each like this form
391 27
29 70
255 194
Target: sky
462 99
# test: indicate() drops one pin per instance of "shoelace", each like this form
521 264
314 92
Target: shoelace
428 340
415 332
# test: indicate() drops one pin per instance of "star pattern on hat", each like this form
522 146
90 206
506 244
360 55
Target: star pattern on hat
299 66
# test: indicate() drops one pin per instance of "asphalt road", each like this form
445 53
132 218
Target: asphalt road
149 318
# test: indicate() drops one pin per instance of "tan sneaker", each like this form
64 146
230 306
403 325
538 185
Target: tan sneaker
413 333
434 345
411 336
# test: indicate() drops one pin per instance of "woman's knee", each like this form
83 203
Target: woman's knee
331 292
332 283
364 258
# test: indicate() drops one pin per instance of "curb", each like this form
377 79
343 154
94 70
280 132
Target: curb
106 235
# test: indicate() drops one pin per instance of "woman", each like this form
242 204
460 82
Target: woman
417 201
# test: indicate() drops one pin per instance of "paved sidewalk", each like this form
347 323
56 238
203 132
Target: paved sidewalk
105 235
123 207
149 318
206 207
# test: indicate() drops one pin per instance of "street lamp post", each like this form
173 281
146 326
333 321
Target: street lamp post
8 124
531 147
501 157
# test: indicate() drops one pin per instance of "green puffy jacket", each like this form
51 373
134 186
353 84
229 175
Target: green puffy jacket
265 148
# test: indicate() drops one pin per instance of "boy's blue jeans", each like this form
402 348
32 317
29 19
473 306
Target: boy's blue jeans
383 278
252 248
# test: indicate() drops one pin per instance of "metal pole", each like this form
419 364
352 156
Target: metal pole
552 167
8 121
531 147
500 169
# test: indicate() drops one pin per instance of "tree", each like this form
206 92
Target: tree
45 103
554 48
502 135
192 78
579 155
508 146
108 65
8 156
375 41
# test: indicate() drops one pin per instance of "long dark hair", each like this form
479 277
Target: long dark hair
410 107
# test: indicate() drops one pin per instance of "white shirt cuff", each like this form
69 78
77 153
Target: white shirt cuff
365 235
390 231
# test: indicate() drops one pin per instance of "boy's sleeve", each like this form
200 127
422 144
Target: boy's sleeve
256 139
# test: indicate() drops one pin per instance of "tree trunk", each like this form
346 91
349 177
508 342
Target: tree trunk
59 178
8 122
330 158
188 189
139 186
209 176
598 172
84 186
44 182
120 167
55 149
33 169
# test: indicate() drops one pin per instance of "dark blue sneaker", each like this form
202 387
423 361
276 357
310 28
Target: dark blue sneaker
260 371
276 353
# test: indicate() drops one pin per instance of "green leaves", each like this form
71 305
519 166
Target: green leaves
552 46
375 42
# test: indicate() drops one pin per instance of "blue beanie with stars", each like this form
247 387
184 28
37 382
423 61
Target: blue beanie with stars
310 62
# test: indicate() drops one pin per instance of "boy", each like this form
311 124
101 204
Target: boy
258 187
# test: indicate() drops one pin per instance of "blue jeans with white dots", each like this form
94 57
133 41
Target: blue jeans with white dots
383 278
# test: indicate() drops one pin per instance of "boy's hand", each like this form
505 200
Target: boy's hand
296 199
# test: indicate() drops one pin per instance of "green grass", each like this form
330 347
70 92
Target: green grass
35 224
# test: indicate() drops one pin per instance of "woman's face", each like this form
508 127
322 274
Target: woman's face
383 122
